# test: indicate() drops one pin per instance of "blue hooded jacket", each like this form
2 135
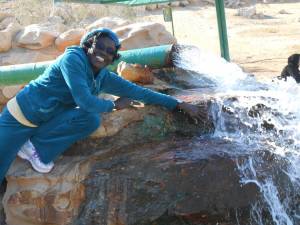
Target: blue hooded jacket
69 82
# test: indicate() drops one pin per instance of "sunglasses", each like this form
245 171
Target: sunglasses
109 50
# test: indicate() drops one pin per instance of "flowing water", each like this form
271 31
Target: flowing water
264 117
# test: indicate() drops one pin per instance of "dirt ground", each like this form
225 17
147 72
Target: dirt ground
260 46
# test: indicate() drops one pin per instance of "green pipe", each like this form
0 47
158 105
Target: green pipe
222 29
154 57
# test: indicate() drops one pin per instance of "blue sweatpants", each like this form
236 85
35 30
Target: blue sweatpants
50 139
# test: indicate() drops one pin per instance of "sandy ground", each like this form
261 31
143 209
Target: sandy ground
260 46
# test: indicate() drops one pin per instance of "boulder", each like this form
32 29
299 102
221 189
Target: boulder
141 35
135 73
107 22
38 36
7 92
7 35
58 197
68 38
4 15
6 21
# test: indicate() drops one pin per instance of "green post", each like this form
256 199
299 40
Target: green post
168 16
222 29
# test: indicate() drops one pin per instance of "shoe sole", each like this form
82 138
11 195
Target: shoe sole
23 156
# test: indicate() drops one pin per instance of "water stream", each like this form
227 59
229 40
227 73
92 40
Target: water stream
264 117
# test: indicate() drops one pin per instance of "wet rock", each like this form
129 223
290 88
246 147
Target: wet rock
58 197
175 180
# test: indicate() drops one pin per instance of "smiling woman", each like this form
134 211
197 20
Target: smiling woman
101 48
62 105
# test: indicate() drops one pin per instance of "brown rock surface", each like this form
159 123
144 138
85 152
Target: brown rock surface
38 36
135 73
68 38
7 36
141 35
55 198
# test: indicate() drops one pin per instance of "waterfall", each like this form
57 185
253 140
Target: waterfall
265 117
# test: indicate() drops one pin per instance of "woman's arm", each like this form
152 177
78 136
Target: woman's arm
75 75
116 85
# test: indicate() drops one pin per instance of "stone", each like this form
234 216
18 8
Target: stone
68 38
55 198
11 91
7 35
135 73
107 22
247 12
38 36
141 35
34 202
4 15
6 21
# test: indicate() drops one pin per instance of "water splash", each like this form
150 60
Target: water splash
266 118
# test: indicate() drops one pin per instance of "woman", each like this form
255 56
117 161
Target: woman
61 106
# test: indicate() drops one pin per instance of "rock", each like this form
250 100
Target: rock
192 1
55 20
4 15
68 38
55 200
151 7
135 73
63 11
283 11
247 12
64 190
141 35
38 36
129 185
183 3
11 91
7 35
6 21
21 55
107 22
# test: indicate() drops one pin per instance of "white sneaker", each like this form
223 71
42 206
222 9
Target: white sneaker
29 153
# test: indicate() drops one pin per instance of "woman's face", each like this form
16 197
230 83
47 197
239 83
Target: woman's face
102 54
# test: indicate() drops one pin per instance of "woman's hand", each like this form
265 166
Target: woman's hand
122 103
194 111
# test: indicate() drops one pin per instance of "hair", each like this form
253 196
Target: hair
89 41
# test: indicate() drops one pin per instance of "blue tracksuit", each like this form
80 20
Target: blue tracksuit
63 103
